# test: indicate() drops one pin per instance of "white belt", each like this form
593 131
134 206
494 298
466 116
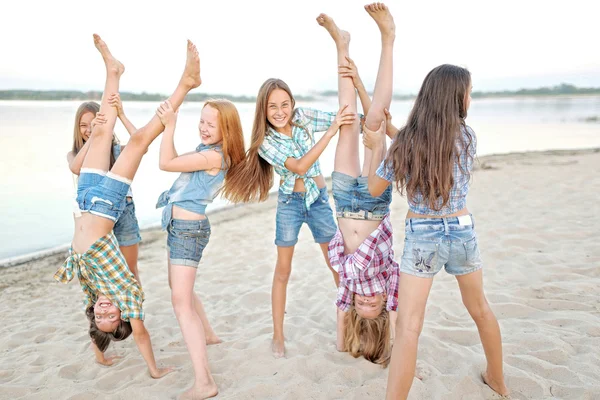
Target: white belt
362 214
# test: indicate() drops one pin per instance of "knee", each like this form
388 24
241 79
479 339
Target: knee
409 326
374 118
137 138
181 304
479 310
282 273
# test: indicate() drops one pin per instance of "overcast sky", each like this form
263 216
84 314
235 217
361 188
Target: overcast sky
505 44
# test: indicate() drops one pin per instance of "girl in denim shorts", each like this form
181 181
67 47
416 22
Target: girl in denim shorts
126 229
431 160
362 248
114 297
283 139
203 174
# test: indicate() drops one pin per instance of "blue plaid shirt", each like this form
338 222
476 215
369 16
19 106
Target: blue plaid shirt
277 148
460 189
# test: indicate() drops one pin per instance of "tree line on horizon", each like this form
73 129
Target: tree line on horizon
562 89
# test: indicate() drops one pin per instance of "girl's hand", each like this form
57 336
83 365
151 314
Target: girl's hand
99 119
115 101
374 139
166 113
350 71
390 129
160 372
344 117
108 361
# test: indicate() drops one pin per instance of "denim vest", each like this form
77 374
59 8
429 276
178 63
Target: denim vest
116 150
192 191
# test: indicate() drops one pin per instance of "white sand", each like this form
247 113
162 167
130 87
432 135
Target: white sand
538 220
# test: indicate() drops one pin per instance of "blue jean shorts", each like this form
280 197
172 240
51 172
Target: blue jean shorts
101 195
433 243
292 213
186 241
127 229
352 195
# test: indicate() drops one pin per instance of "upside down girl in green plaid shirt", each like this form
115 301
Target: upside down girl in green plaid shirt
113 297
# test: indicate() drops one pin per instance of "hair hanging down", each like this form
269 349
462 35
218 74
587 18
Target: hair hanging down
254 177
369 338
78 142
230 126
423 154
103 339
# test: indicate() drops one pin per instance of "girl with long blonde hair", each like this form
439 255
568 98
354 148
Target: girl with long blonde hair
203 174
362 249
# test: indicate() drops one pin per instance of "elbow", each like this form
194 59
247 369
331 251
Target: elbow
163 166
375 191
141 338
76 171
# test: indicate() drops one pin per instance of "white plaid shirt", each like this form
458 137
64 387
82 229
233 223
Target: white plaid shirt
460 188
277 148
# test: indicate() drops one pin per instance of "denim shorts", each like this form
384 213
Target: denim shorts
292 213
352 194
433 243
127 229
186 241
101 195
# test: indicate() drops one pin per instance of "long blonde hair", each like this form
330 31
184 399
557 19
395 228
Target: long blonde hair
254 178
230 126
369 338
78 141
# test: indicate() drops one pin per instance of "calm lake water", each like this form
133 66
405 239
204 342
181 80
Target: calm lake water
37 186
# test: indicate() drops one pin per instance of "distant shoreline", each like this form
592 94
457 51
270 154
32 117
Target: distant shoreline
61 95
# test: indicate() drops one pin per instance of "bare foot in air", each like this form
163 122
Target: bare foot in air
200 392
278 347
340 37
381 14
191 73
112 64
498 387
213 339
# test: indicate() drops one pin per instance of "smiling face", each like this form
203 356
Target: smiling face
279 109
85 124
369 307
210 132
106 315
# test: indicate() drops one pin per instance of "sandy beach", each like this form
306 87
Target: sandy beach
538 220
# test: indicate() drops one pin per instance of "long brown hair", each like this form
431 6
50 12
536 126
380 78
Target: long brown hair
78 141
254 177
369 338
425 150
230 126
102 339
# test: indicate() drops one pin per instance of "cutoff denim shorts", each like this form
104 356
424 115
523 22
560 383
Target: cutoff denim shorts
292 213
127 229
101 195
352 194
187 240
433 243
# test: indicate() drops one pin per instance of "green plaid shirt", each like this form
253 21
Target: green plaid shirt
103 270
277 148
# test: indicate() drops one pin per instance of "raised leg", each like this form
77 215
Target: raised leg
471 290
128 162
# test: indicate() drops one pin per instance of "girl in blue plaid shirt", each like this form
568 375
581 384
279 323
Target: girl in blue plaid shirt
432 159
114 297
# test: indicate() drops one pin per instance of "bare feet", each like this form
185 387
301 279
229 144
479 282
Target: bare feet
498 387
278 347
340 37
112 64
214 339
381 14
200 392
191 73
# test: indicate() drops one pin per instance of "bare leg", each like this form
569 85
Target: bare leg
131 257
283 269
128 162
98 155
325 249
347 160
471 289
412 299
182 297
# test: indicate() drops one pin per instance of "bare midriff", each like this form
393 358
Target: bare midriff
180 213
355 231
463 211
299 185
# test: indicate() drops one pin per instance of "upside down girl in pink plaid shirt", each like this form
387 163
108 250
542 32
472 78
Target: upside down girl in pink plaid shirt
361 250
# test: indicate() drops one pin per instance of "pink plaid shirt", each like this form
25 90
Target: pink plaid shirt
370 270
